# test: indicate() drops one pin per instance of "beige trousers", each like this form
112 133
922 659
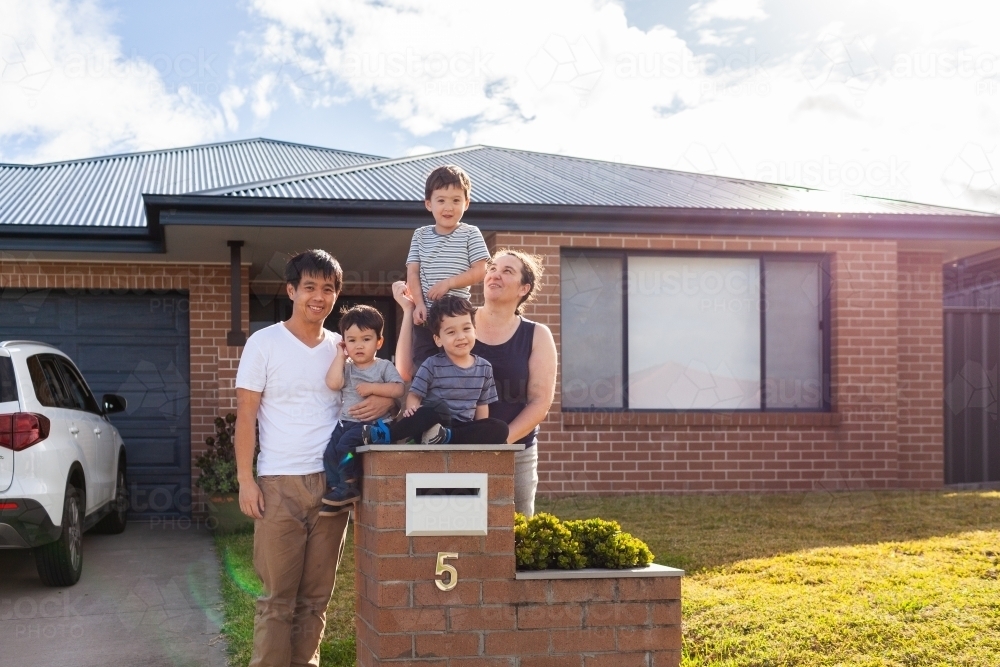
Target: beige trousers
296 553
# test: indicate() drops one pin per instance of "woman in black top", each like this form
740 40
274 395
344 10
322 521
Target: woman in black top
522 352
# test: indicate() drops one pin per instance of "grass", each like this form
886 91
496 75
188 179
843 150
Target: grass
862 578
241 586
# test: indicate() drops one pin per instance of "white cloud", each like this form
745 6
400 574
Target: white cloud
231 99
263 100
841 106
706 11
67 88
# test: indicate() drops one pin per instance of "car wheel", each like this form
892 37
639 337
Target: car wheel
114 523
61 562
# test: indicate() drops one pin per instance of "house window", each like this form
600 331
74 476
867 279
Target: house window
643 331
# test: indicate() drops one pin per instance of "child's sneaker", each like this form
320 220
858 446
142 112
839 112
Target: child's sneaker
436 435
330 510
375 434
343 494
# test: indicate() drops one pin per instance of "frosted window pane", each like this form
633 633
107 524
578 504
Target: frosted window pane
591 331
694 333
794 341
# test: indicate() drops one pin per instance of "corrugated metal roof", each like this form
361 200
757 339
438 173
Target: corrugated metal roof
107 191
508 176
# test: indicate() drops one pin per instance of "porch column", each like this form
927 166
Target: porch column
236 336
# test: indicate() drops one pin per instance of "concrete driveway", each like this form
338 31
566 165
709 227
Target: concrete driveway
149 597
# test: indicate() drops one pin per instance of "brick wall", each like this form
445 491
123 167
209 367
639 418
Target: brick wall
887 355
490 618
921 370
880 329
212 362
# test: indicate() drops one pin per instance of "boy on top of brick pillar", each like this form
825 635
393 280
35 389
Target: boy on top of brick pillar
446 257
357 374
449 399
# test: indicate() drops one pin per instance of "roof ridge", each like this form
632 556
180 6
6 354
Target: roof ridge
334 172
231 142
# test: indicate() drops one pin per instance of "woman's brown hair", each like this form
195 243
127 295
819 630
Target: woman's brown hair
531 273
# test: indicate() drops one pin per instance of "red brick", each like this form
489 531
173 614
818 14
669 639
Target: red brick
583 641
463 545
649 639
552 661
498 617
517 642
665 659
583 590
601 614
426 619
465 593
616 660
504 591
397 464
446 644
549 616
493 463
634 589
666 613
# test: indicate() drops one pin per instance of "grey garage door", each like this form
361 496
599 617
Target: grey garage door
134 344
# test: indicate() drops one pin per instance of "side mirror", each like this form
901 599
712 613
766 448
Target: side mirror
113 403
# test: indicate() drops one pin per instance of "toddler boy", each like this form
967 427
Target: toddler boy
451 391
446 257
357 373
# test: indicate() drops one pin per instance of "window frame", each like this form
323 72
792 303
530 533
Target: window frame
72 375
825 324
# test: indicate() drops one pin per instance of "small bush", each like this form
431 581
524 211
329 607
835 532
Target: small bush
543 542
218 464
604 544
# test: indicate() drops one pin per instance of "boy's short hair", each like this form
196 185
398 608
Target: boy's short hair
449 306
442 177
363 317
314 262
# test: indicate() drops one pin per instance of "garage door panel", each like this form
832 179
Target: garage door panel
146 313
135 345
20 308
151 454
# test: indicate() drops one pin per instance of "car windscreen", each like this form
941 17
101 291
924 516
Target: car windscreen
8 386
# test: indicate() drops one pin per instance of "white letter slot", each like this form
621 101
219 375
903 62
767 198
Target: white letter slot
446 503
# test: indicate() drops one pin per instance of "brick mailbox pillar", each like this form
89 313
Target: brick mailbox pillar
455 599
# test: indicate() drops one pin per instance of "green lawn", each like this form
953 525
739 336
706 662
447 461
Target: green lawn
861 578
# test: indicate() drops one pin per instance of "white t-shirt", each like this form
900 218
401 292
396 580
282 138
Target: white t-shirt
298 412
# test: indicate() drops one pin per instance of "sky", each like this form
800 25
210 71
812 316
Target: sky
888 98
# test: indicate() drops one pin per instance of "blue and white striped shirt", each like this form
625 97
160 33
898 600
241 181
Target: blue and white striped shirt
444 256
439 381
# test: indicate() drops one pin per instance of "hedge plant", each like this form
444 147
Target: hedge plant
543 542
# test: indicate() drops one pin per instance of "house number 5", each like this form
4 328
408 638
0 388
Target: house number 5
443 567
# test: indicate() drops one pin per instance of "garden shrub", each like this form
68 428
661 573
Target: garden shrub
604 544
543 542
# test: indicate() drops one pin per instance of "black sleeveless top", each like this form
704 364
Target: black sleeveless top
510 371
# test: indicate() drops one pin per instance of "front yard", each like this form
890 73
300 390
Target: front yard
846 578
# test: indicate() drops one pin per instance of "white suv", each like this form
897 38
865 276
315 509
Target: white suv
62 463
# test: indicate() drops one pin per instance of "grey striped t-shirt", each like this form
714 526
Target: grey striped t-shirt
443 256
439 381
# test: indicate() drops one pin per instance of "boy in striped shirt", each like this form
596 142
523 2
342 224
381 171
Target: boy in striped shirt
449 400
446 257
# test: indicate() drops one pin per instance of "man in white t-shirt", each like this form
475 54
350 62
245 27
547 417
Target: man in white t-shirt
281 386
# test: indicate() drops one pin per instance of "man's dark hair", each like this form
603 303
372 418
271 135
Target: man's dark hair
449 306
363 317
442 177
315 263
